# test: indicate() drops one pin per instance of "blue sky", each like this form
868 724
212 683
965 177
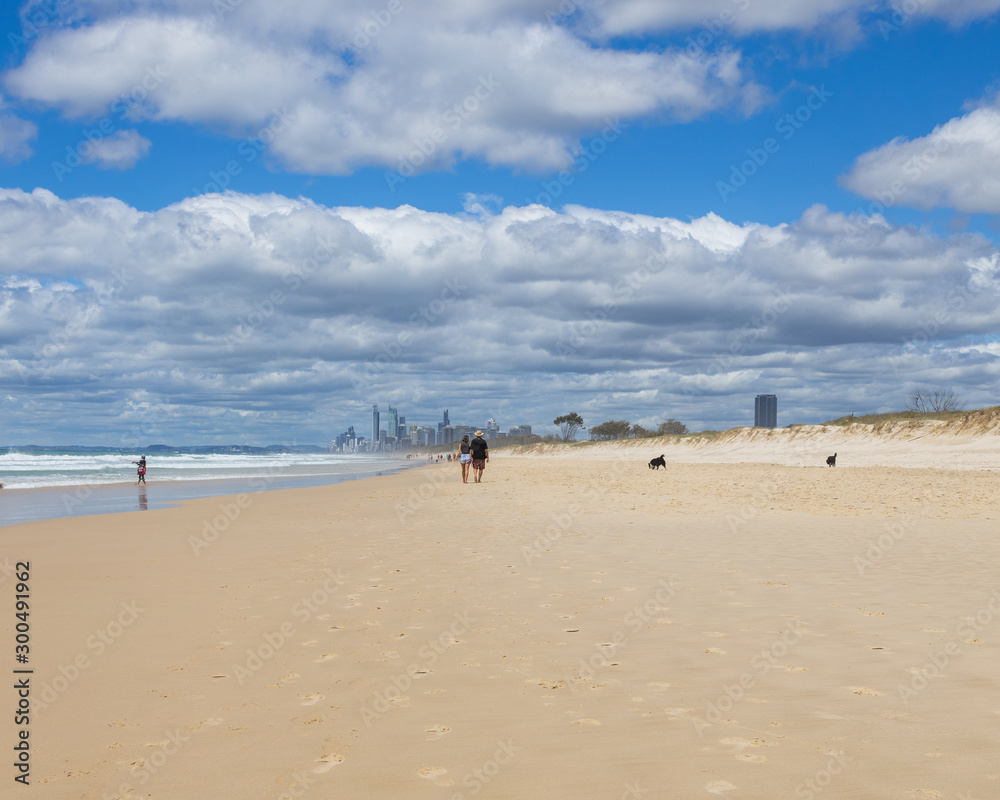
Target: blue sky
235 222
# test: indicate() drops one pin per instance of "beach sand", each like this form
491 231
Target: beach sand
583 628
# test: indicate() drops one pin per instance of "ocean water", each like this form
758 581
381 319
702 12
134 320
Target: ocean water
53 484
26 469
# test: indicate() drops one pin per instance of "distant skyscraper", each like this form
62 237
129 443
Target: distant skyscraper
374 423
765 411
392 423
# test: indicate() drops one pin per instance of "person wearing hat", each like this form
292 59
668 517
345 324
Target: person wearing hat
480 456
140 470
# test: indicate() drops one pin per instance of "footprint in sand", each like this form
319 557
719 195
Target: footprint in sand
436 774
437 731
864 691
328 762
311 699
586 721
750 758
715 634
714 651
718 787
309 643
325 657
211 722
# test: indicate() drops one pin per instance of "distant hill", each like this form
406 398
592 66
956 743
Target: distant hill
221 449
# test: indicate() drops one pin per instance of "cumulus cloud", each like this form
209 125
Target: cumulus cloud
16 136
407 90
957 166
290 317
722 17
120 150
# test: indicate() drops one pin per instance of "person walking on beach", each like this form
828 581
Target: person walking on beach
465 457
140 470
480 456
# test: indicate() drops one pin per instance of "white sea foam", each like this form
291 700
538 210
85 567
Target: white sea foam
26 469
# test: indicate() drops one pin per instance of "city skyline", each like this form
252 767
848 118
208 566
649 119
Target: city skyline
426 435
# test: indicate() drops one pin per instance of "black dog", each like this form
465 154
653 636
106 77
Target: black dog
656 463
831 461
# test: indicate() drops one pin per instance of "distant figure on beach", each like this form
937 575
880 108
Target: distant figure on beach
140 470
480 456
465 457
831 461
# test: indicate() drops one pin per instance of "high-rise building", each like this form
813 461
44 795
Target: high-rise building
492 429
392 423
765 411
375 421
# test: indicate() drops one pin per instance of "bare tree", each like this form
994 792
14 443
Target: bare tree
923 400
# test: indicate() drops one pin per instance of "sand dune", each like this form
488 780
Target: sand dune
969 442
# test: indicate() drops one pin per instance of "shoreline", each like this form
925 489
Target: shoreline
32 504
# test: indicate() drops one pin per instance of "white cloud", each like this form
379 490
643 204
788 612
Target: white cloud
298 316
16 136
120 150
428 86
957 165
720 18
